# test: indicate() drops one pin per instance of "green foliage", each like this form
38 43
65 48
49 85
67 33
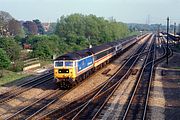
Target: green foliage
17 66
89 30
4 61
40 26
9 76
33 39
18 39
11 47
42 49
46 46
76 32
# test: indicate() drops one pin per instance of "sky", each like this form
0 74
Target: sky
128 11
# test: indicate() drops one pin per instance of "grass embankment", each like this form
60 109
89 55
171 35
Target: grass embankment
9 76
133 33
44 63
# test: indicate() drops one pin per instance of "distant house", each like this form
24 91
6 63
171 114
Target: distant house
27 46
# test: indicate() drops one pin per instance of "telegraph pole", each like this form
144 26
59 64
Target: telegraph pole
158 33
167 39
174 29
174 33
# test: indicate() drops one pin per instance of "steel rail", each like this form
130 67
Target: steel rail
101 88
12 92
21 90
134 91
77 115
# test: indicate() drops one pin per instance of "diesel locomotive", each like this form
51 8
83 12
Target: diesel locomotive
71 68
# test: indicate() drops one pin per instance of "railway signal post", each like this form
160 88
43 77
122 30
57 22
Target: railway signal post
174 29
167 39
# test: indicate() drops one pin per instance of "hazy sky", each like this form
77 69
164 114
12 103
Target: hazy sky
129 11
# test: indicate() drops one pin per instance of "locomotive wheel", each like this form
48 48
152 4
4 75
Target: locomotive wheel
84 76
87 74
76 82
68 85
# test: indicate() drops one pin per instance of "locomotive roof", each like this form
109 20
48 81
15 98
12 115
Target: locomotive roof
97 49
68 56
75 55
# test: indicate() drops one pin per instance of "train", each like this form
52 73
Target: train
73 67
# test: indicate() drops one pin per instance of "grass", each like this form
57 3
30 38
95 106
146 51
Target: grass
134 33
9 76
44 63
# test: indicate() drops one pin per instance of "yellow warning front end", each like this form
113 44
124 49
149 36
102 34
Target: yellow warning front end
64 73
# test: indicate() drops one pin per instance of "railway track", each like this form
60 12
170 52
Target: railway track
112 108
86 106
28 111
37 106
137 103
24 87
146 96
96 112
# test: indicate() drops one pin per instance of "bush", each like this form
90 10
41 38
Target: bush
17 66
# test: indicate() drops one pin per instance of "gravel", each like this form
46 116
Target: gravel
92 82
114 107
164 102
24 99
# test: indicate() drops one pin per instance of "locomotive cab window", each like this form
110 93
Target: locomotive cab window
58 64
69 64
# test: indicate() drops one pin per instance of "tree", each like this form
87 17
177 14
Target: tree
45 46
15 28
11 47
42 50
39 26
89 29
5 16
4 61
30 28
